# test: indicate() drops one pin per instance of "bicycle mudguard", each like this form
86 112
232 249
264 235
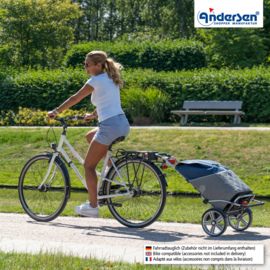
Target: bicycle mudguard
160 174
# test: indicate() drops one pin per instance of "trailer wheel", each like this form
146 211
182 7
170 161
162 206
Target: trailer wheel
241 222
214 222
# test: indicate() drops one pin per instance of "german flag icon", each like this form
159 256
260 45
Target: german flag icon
148 248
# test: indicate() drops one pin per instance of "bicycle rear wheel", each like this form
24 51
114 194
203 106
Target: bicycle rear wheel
148 193
48 202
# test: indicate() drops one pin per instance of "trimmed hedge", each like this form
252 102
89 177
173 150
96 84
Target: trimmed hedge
168 55
43 90
47 90
252 86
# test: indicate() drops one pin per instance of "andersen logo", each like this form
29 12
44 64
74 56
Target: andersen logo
211 18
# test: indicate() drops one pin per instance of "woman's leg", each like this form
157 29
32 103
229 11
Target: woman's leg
89 137
94 154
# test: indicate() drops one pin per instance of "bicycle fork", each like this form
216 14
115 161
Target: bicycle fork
53 157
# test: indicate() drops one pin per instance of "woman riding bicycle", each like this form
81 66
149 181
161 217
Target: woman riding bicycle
113 123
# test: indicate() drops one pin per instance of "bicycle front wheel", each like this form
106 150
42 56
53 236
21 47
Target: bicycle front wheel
48 202
148 198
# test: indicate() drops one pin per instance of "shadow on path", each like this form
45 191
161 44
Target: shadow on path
156 235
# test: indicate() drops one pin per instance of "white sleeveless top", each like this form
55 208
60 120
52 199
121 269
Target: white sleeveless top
106 96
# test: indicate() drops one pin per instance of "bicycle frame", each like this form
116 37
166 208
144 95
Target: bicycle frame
101 175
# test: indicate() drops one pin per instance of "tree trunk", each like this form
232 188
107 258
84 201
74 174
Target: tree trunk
93 20
97 18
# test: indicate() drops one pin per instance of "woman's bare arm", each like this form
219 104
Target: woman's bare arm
85 91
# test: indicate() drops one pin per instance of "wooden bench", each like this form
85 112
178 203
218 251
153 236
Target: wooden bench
210 108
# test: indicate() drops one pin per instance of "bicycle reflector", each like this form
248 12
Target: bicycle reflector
164 166
172 161
245 203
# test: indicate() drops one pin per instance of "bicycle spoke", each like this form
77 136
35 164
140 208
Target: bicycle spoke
141 177
136 177
149 203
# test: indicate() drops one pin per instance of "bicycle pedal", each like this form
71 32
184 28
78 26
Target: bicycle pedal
117 204
112 204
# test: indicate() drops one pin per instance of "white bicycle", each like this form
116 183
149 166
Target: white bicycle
134 189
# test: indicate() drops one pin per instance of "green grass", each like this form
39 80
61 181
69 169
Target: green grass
59 261
245 152
184 209
212 124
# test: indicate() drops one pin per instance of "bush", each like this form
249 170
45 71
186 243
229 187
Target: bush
167 55
252 86
6 54
43 90
141 105
126 54
28 117
47 90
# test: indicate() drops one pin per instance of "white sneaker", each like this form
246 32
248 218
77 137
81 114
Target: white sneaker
87 210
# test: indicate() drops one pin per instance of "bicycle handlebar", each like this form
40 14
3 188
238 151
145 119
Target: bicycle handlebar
74 118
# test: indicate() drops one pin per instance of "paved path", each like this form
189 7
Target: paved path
169 127
108 239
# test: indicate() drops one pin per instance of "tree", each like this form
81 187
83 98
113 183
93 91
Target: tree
116 18
234 47
37 31
169 18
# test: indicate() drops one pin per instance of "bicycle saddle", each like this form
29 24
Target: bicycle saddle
117 140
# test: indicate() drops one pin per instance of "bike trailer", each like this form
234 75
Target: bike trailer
213 180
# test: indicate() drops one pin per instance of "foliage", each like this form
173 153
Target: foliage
251 86
47 90
32 117
167 19
173 55
6 53
150 103
126 54
43 90
166 55
234 47
35 32
265 31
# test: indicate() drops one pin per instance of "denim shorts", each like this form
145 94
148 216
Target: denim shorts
112 128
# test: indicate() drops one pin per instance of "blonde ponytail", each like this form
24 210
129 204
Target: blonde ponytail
112 68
